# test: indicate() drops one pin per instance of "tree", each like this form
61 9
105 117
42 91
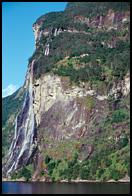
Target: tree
47 159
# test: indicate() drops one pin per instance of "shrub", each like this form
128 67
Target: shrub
105 175
85 172
14 175
25 172
89 102
76 171
119 116
51 165
60 171
47 159
99 173
123 142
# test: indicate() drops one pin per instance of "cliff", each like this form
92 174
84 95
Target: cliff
74 120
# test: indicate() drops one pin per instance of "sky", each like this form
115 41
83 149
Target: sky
18 42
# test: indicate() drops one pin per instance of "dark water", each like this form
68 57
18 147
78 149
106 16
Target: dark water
64 188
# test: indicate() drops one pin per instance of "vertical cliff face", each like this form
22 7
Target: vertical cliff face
24 141
75 95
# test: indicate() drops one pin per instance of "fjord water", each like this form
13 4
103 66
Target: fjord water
64 188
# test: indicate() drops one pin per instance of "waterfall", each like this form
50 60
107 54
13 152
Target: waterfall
23 145
47 50
40 35
59 31
55 33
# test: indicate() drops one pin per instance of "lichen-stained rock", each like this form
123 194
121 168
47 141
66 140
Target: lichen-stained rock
68 116
121 88
85 151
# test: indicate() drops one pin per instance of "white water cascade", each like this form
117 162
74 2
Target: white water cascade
23 143
47 50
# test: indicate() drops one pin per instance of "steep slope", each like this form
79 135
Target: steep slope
74 122
11 106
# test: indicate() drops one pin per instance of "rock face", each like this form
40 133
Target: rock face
121 88
54 110
37 32
57 110
110 21
52 32
125 179
23 143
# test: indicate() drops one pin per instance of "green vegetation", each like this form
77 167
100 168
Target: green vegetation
26 172
90 9
119 116
87 101
103 166
106 62
110 159
103 63
63 149
65 19
90 73
55 19
11 105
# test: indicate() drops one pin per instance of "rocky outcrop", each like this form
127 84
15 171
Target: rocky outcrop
111 20
48 33
121 88
125 179
56 110
48 90
37 32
